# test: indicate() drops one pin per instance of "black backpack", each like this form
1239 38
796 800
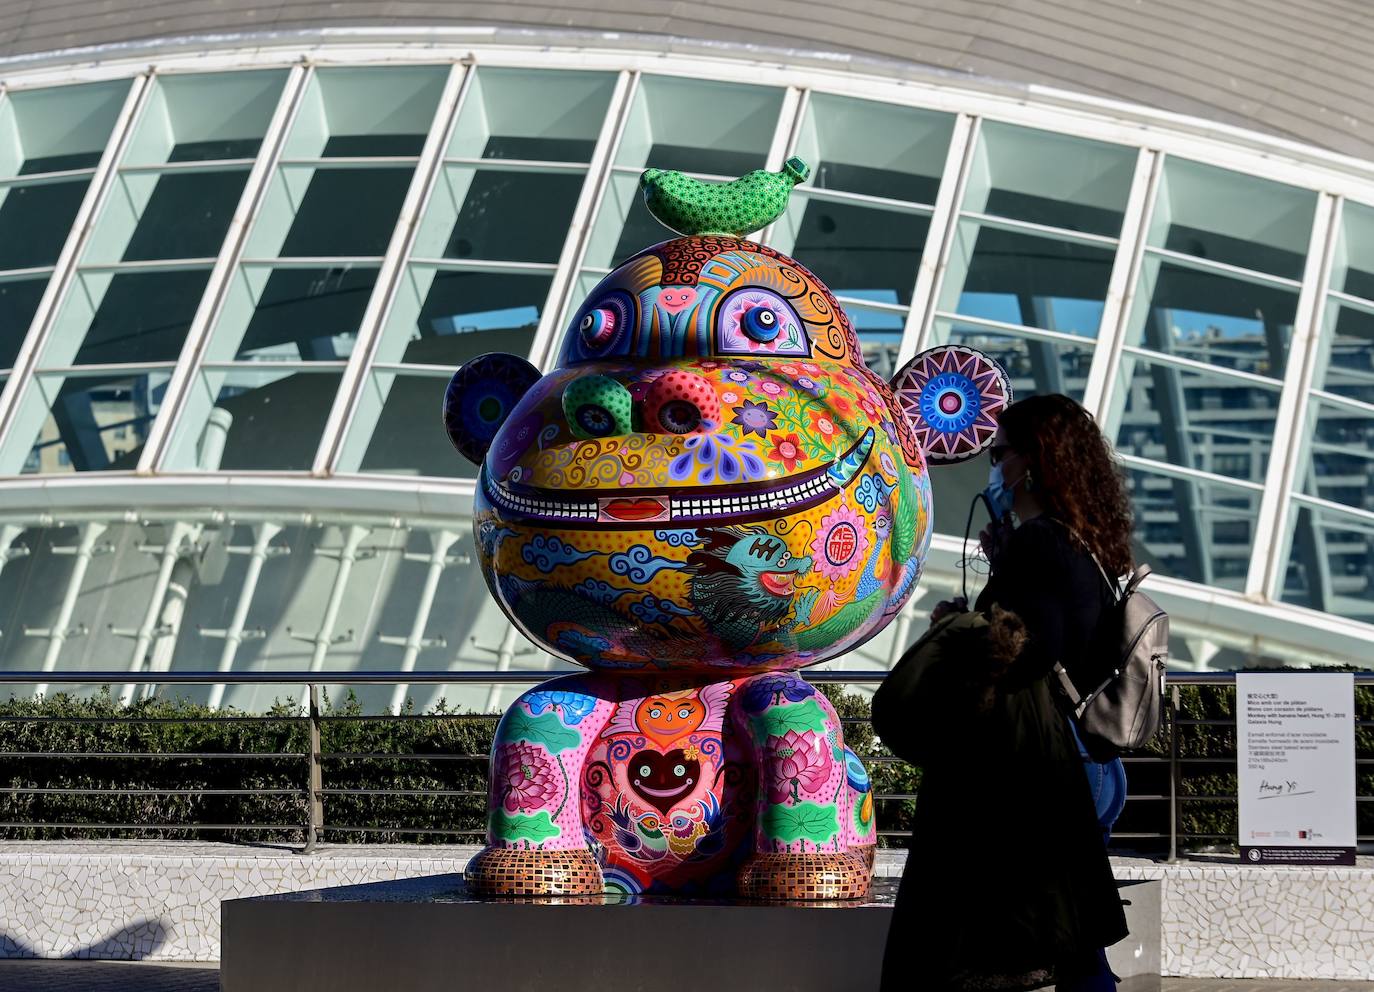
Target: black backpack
1122 712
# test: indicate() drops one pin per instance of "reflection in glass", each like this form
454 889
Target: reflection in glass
19 300
1212 423
263 419
1051 179
1035 366
1223 321
1027 279
204 117
1345 354
1339 464
293 314
861 251
366 111
396 446
531 114
330 212
699 125
1352 269
173 215
35 221
126 317
447 316
877 149
1201 531
499 215
1331 564
95 423
34 144
1222 216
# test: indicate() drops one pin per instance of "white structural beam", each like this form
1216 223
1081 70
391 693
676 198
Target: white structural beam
963 142
1266 569
216 288
1116 309
439 558
59 283
543 351
393 265
237 631
61 629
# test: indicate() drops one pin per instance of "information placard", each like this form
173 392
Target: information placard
1296 758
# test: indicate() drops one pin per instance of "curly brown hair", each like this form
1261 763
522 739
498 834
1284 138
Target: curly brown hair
1076 479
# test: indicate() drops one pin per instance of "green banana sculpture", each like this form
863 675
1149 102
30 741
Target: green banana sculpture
692 207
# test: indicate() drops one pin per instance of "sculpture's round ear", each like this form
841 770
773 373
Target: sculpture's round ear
952 396
479 398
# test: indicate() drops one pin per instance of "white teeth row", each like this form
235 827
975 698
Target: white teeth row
743 504
548 508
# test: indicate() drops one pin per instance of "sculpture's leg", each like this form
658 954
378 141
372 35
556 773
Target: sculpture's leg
535 842
802 831
862 824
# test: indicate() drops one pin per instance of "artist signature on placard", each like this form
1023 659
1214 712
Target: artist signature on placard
1288 787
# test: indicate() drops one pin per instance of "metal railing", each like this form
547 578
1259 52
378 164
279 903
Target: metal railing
313 791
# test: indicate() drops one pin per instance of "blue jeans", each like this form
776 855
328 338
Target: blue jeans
1108 783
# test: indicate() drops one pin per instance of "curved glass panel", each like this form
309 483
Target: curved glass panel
1191 529
1199 420
1049 179
95 422
378 225
875 149
1222 216
1329 563
50 143
1027 279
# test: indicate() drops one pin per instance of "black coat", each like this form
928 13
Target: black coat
1007 877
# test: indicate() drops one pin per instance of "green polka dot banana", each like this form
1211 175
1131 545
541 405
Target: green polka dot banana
695 207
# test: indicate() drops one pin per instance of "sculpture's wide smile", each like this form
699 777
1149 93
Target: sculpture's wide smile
740 503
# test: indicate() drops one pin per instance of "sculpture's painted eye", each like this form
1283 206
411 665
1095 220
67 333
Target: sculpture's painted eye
645 771
784 558
604 327
760 323
679 770
598 326
684 713
752 321
656 713
679 417
680 402
597 406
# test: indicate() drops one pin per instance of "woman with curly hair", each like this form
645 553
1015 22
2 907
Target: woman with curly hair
1007 883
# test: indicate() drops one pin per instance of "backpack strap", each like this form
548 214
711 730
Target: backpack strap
1113 584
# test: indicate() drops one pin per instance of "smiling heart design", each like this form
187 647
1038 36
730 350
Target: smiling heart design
662 779
675 299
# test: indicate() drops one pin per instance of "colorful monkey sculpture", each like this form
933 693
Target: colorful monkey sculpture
709 491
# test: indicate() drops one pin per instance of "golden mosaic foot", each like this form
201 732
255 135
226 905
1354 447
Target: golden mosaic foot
500 871
805 877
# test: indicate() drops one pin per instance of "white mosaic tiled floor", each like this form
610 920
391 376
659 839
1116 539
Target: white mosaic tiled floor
160 901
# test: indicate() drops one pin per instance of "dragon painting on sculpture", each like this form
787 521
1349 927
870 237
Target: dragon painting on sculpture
709 491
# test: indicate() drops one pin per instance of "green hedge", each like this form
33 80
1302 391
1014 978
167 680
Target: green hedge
275 745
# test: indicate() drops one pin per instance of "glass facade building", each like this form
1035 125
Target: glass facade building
233 288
